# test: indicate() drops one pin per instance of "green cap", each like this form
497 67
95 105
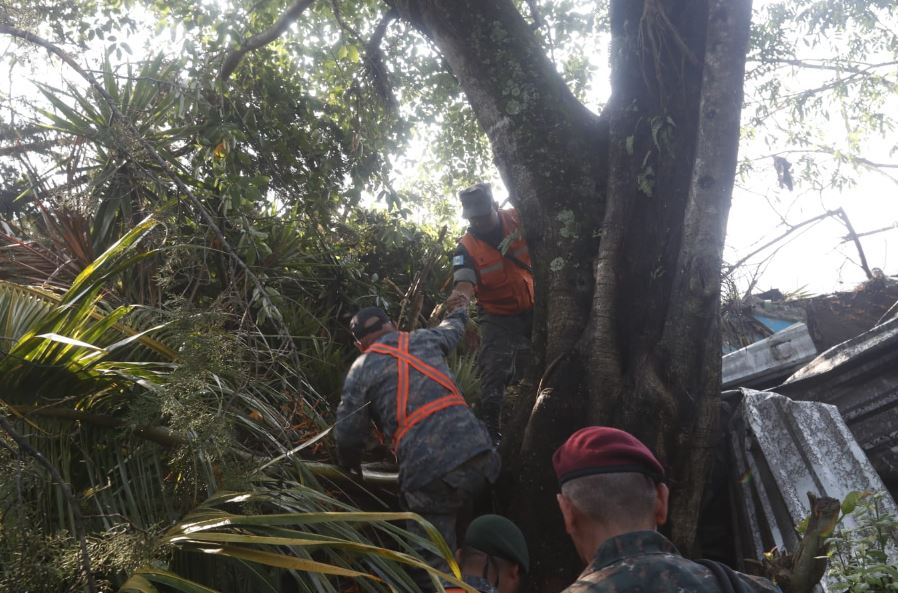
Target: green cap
497 536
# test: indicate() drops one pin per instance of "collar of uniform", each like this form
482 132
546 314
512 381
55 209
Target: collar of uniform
479 583
382 340
636 543
493 236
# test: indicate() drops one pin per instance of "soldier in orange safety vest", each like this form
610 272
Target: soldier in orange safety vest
492 262
402 381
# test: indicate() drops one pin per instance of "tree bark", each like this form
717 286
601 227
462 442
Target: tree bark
625 215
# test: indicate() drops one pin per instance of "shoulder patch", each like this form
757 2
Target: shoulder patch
458 260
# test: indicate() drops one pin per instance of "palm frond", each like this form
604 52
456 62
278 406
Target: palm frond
316 537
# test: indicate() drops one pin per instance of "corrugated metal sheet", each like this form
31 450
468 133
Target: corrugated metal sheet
767 361
783 449
860 377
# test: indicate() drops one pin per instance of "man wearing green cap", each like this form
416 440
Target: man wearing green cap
494 557
492 262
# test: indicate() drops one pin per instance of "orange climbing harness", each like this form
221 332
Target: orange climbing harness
404 420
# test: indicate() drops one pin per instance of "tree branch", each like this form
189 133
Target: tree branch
232 60
800 571
374 61
831 152
836 66
535 14
39 146
728 270
77 517
890 227
160 435
696 287
857 243
338 14
11 133
853 78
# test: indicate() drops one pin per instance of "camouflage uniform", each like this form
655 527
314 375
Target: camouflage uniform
479 583
503 356
646 561
445 459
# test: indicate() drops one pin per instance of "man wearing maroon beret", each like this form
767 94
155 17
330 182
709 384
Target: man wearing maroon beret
613 498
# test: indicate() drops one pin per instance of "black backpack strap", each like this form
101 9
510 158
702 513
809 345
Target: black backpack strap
726 576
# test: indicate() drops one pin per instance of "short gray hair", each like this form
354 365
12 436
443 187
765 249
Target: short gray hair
620 499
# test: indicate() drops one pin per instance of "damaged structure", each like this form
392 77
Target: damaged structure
825 422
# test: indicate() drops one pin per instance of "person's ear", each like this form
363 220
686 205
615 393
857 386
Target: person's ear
568 512
513 576
662 496
458 556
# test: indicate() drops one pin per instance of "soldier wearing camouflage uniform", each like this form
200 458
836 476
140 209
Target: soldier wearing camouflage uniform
403 383
494 557
612 499
493 262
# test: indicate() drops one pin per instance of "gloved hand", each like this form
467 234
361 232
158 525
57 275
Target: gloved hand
456 300
350 459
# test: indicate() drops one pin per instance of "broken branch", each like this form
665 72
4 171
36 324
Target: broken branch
801 571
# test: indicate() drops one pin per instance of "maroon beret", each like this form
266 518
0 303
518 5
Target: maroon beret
604 450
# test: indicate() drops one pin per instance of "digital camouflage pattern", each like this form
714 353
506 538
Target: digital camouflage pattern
440 501
646 561
479 583
437 444
503 356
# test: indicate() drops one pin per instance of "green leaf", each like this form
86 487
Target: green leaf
133 236
172 580
850 501
803 525
139 584
70 341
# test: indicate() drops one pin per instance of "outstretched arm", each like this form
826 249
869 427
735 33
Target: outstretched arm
449 333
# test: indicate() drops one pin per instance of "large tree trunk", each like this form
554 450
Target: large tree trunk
625 215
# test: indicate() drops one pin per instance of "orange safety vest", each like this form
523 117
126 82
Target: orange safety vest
405 421
504 287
